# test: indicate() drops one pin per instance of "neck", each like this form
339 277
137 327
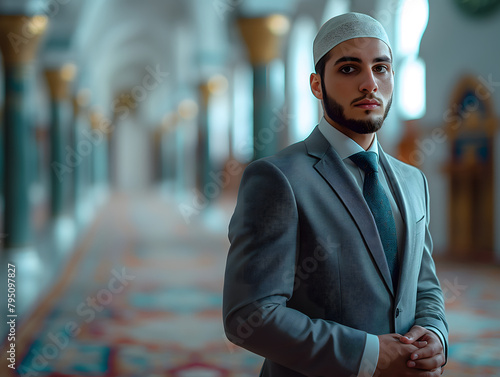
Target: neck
364 140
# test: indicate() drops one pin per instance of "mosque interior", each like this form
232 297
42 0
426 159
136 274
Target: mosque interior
125 130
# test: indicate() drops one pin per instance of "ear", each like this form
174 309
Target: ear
315 82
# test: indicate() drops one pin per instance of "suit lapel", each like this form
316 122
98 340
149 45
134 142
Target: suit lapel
402 195
333 170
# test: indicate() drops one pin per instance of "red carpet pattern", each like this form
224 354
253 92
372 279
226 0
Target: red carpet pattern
142 297
144 300
472 296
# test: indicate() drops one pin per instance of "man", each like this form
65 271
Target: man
330 258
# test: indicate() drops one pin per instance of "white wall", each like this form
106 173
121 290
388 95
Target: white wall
454 44
133 156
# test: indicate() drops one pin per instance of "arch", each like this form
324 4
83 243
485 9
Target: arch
471 126
469 95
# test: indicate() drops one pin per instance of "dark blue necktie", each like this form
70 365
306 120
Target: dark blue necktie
381 208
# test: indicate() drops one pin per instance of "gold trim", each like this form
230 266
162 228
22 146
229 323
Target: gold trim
95 119
263 37
169 122
205 94
20 36
485 95
59 81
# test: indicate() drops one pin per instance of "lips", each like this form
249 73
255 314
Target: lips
367 104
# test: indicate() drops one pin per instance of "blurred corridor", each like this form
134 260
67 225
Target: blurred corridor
141 296
125 130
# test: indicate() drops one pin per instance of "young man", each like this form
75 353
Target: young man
330 258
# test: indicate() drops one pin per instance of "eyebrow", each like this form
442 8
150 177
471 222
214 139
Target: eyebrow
383 58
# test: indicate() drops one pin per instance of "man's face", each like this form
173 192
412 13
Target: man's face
357 85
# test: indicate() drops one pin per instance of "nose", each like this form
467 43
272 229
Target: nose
368 83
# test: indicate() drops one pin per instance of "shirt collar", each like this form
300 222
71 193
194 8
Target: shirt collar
343 144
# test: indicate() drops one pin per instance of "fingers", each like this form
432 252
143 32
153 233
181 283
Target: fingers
415 333
433 347
429 363
430 350
420 343
429 357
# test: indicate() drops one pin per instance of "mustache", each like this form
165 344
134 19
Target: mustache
369 97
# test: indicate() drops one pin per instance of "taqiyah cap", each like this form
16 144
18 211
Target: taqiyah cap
344 27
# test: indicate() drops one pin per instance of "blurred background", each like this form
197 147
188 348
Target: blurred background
126 126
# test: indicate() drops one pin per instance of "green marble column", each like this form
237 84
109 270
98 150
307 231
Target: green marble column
93 160
64 160
98 136
81 145
263 38
265 131
204 165
16 157
79 151
168 166
180 161
19 37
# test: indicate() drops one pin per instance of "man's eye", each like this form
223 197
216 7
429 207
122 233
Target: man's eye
381 69
347 69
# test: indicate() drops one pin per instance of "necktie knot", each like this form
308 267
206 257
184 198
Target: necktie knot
366 161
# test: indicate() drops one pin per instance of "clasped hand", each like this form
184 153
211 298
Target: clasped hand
417 353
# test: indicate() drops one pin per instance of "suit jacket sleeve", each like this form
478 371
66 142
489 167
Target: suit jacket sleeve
430 310
259 281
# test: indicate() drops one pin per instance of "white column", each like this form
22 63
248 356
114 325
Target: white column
496 229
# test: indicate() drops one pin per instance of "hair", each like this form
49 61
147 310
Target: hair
320 65
320 70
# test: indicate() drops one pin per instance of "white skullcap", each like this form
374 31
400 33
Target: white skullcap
344 27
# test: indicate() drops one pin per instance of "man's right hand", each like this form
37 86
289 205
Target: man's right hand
393 356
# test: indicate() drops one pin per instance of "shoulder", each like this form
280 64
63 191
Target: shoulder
266 191
286 162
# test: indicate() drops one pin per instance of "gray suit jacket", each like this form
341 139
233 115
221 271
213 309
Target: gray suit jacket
306 275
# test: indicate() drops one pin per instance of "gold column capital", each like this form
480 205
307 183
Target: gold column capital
20 36
95 118
124 101
169 122
187 109
99 121
80 101
59 80
263 36
76 106
205 93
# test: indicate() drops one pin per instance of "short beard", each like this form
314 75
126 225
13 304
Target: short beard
335 112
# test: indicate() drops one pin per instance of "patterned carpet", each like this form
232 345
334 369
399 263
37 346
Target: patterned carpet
472 297
142 297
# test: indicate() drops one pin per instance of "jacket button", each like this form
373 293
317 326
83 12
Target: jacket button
397 312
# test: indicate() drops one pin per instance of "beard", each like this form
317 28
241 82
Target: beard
335 112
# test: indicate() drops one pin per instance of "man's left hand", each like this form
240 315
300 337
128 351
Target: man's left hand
428 357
